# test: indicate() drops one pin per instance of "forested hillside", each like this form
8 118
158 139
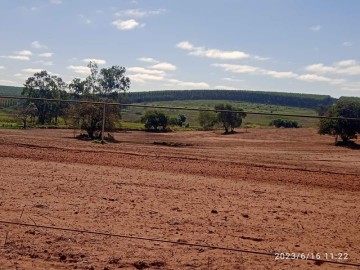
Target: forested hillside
273 98
10 90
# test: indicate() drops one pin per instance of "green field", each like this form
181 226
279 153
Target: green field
132 114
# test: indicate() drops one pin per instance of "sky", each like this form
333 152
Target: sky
301 46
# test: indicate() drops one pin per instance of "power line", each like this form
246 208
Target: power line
176 108
262 253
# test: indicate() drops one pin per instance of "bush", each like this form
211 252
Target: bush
207 120
280 123
154 119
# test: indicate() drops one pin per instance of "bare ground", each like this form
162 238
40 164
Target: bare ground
265 190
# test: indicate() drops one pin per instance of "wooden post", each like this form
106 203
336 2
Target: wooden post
103 125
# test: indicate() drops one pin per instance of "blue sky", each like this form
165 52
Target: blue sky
301 46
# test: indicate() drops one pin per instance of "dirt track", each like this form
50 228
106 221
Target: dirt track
265 190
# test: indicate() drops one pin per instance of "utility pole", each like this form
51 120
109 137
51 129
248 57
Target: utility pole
103 124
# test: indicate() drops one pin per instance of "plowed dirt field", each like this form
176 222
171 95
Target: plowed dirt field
267 190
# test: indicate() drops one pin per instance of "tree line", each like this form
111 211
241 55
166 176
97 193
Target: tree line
105 85
274 98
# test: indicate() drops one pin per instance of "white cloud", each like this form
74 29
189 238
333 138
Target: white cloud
319 68
346 63
232 79
79 69
315 28
238 68
16 57
347 44
225 87
188 85
45 63
260 58
127 25
146 71
55 2
211 53
164 66
32 70
148 60
47 55
345 67
280 74
216 53
19 75
24 53
317 78
97 61
256 70
185 45
138 13
37 45
142 77
85 19
2 67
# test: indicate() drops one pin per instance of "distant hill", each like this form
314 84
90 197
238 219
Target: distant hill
10 90
272 98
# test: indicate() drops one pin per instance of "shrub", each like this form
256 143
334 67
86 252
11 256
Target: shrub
207 120
280 123
154 119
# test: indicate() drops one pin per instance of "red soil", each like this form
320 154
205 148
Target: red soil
273 190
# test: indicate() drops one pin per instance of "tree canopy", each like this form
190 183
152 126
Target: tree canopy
346 129
229 120
44 85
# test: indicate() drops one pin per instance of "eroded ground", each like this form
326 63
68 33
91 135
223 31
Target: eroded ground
265 190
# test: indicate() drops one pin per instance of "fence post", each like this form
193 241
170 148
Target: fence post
103 125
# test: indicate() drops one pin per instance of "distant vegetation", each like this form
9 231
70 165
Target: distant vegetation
270 98
281 123
274 98
10 90
106 85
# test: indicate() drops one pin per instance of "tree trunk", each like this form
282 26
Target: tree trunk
24 123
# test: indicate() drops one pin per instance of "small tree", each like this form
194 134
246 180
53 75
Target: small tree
207 120
154 119
229 120
26 111
346 129
105 86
